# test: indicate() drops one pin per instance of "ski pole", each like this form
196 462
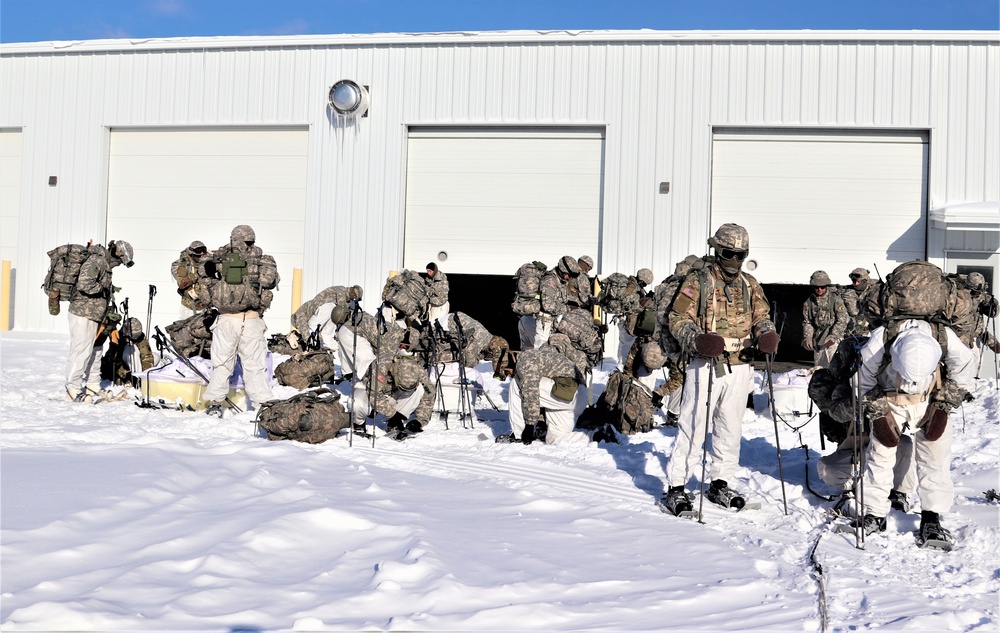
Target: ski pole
704 448
354 367
857 454
149 309
774 417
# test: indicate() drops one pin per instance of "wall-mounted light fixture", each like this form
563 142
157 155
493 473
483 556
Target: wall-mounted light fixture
349 99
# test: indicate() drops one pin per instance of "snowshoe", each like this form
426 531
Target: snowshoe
932 535
414 427
844 507
721 494
672 418
899 501
870 523
509 438
214 410
677 502
606 434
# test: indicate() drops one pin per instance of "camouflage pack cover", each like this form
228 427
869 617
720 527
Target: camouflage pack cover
312 417
579 326
830 388
619 294
64 268
626 404
190 336
407 293
309 369
527 300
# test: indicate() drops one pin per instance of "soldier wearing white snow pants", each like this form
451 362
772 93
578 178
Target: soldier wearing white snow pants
241 334
404 403
837 468
560 415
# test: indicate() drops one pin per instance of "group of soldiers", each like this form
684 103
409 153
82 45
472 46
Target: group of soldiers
699 329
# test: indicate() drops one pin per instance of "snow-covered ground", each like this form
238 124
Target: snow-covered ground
117 517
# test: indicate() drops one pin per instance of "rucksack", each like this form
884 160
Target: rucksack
191 337
233 268
305 370
65 263
527 297
626 404
312 417
619 294
407 293
579 327
920 290
830 388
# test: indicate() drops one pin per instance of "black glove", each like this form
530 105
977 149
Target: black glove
212 270
657 399
209 318
768 342
989 309
709 345
528 434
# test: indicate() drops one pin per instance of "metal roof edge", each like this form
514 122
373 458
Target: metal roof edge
483 37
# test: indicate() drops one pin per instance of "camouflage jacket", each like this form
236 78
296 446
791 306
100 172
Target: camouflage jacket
475 337
707 302
859 306
532 366
437 289
554 293
663 300
184 270
399 376
93 286
579 291
253 293
333 294
385 345
824 317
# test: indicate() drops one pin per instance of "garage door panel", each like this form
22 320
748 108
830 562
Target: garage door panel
10 193
169 187
494 199
848 199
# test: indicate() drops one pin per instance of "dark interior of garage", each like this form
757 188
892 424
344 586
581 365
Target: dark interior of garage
487 299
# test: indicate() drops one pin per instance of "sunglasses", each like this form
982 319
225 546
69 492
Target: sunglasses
728 253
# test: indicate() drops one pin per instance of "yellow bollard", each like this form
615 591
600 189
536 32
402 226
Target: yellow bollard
296 288
5 299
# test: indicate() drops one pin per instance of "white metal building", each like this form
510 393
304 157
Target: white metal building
486 150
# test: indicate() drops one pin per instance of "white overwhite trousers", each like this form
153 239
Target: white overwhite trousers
354 360
534 332
728 404
236 335
837 468
404 402
84 356
560 416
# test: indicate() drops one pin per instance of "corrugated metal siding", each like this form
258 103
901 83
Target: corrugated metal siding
658 98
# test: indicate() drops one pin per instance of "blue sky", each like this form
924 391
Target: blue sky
44 20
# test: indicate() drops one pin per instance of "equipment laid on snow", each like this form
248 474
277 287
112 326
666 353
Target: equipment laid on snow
626 405
312 416
305 370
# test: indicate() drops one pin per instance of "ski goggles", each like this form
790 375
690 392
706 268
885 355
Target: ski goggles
728 253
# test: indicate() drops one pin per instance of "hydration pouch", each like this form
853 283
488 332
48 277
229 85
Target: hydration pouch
234 267
564 388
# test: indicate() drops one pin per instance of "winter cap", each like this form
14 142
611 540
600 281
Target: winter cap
731 236
432 266
242 233
820 279
197 248
645 276
123 251
915 356
586 263
977 282
567 266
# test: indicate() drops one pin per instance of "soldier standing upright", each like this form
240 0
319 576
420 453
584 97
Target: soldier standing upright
236 286
824 320
553 290
438 305
184 270
860 300
720 313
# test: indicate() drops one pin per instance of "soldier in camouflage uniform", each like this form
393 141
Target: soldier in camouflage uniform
236 285
544 379
824 320
92 296
902 396
477 342
184 270
717 317
630 312
859 300
438 305
404 389
984 306
313 316
581 295
554 297
372 333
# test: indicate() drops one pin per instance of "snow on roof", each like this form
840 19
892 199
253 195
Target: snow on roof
979 216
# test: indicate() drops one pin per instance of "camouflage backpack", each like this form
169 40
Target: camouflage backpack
626 404
407 293
830 388
619 294
309 369
65 263
579 327
191 337
312 417
527 300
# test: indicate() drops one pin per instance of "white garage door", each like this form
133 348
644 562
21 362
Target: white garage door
167 188
827 200
492 199
10 193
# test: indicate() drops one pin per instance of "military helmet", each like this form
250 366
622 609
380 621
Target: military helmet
731 236
123 251
242 233
859 273
586 264
197 247
354 293
820 279
977 282
132 329
567 266
340 313
645 276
